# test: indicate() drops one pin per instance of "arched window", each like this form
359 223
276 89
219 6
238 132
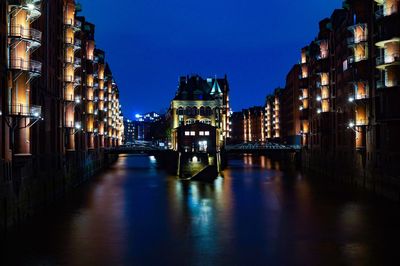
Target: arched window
180 111
188 111
208 111
202 111
194 111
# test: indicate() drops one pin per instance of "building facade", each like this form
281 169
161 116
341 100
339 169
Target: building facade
273 116
201 100
349 88
290 113
57 113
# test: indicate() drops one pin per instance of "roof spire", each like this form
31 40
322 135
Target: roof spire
216 89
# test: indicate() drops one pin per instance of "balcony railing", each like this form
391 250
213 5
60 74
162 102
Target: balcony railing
69 21
357 39
388 59
361 122
69 40
18 31
77 80
68 78
361 94
381 84
69 59
32 111
353 59
77 25
69 97
77 44
77 62
32 66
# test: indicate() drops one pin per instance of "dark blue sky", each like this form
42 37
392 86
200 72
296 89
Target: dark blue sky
150 43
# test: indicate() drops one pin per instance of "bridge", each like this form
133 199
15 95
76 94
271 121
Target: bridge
137 149
261 147
149 148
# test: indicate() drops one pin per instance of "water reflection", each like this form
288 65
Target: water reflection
261 212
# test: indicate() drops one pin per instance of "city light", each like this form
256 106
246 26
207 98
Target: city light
351 99
351 124
78 125
30 6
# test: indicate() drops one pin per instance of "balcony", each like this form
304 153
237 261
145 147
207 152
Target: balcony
68 22
33 36
77 44
69 59
28 111
382 84
77 62
31 66
358 58
361 122
32 7
387 11
77 25
77 81
362 26
69 40
361 92
387 60
356 40
69 97
68 78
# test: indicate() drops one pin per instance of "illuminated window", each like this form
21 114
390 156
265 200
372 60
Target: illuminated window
187 133
201 133
192 133
345 65
207 133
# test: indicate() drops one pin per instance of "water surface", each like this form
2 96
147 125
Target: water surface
260 213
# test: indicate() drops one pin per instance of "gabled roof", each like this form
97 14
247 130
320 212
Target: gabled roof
194 87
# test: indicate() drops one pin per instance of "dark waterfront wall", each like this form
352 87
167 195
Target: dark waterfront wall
41 180
382 179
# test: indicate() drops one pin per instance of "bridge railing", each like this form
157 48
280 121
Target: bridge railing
258 146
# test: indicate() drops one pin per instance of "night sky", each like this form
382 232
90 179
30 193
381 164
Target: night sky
150 43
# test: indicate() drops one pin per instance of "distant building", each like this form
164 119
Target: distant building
290 114
238 124
148 117
273 116
201 100
140 129
129 131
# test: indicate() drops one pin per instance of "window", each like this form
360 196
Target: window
202 111
187 133
344 65
203 146
192 133
207 133
201 133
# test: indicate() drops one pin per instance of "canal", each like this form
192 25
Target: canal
260 213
